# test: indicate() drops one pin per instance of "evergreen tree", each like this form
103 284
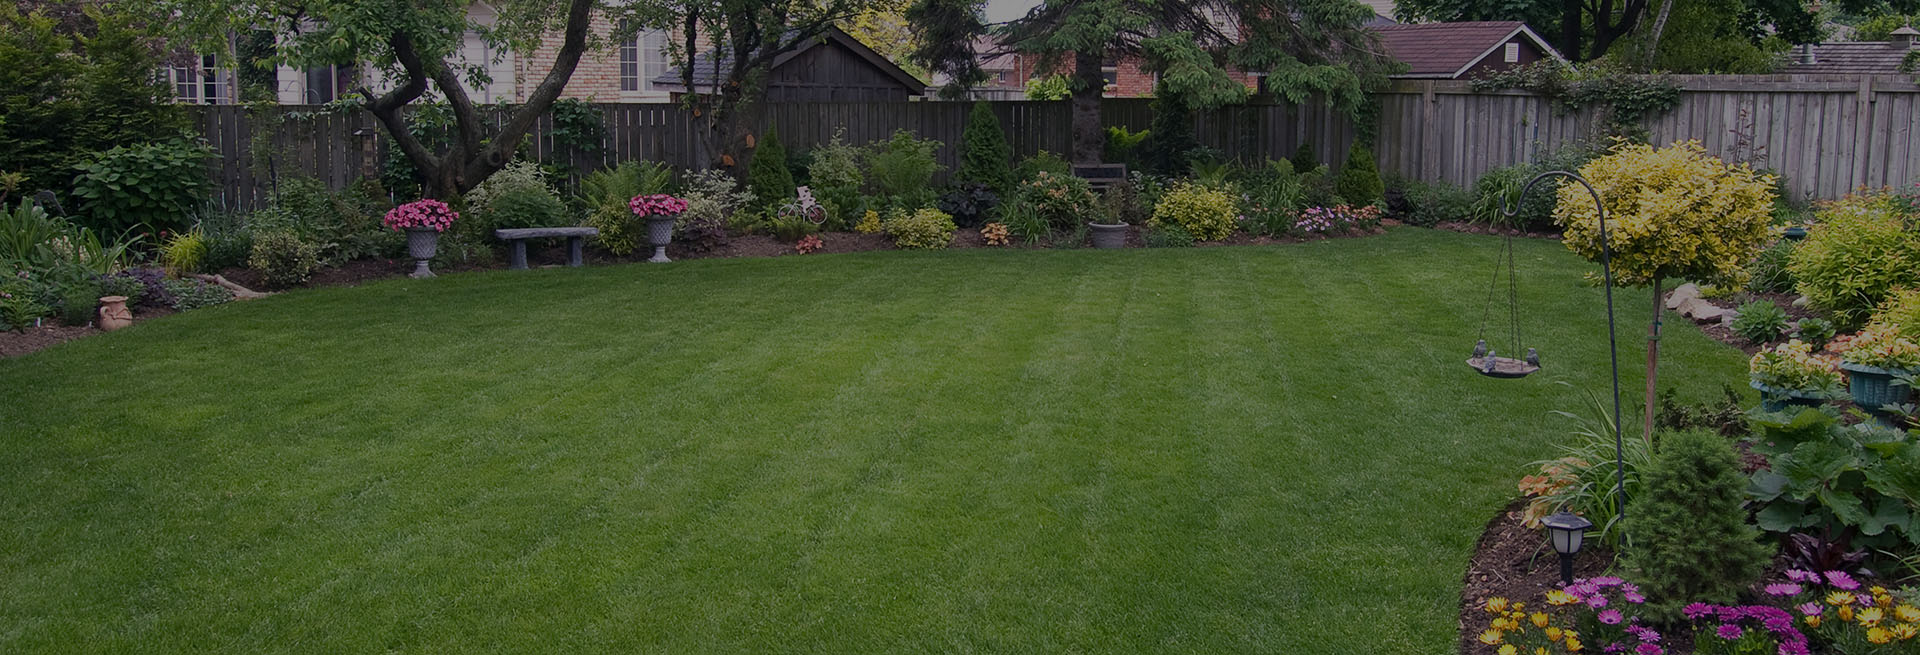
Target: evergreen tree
1170 140
768 177
1691 540
1304 159
986 158
1359 182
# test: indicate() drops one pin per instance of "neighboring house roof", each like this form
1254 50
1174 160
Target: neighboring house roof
1849 58
1447 50
707 66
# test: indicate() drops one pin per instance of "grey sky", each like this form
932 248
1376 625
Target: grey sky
1000 11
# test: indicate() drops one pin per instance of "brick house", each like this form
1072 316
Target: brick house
1856 57
836 67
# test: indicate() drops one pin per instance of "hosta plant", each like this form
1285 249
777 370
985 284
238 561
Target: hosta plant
1794 366
1815 331
1760 321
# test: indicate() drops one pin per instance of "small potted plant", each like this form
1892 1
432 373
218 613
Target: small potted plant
423 220
1873 360
660 211
1790 375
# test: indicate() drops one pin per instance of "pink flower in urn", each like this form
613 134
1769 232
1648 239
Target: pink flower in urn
658 204
425 213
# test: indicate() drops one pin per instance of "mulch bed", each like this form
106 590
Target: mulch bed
1516 563
52 333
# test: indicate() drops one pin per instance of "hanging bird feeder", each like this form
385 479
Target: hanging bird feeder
1485 359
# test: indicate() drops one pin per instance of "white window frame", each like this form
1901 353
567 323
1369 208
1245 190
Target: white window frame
201 82
643 59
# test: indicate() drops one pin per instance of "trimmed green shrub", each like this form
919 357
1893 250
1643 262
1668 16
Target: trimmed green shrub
1760 321
1359 181
902 169
1203 211
837 180
79 301
1433 203
1063 201
1168 236
1861 250
985 157
283 258
927 229
155 186
768 178
1768 272
1303 158
1690 538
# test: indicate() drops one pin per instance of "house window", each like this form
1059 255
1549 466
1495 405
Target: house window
197 81
643 58
328 83
1513 53
1000 78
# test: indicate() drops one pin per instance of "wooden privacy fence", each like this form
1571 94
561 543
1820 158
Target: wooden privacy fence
1827 135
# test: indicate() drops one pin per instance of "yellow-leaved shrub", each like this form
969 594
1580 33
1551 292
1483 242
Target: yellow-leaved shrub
1673 212
1206 212
1860 251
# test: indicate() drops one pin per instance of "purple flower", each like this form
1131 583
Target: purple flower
1779 624
1610 617
1728 631
1596 601
1615 647
1648 649
1644 634
1794 648
1783 589
1809 608
1697 611
1634 597
1798 575
1608 581
1583 588
1840 580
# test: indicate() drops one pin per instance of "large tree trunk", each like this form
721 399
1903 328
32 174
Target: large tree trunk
1089 85
1653 40
1570 28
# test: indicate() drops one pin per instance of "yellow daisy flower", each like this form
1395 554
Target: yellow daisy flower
1906 631
1907 614
1879 635
1553 633
1539 619
1496 605
1539 650
1839 599
1871 616
1558 597
1813 621
1492 637
1574 645
1846 613
1508 649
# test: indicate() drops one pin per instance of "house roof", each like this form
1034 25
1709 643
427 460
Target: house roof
707 66
1447 50
1850 58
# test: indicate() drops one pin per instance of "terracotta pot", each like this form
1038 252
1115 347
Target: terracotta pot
114 313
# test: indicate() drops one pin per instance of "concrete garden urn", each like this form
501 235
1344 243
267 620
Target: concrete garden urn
660 233
1779 400
114 313
422 243
1108 237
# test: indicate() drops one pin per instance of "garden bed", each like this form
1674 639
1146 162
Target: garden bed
1515 562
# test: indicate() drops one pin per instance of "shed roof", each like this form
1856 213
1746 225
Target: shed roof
1849 58
707 66
1447 50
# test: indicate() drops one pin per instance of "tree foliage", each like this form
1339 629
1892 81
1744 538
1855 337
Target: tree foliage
1673 212
985 156
1307 48
1589 29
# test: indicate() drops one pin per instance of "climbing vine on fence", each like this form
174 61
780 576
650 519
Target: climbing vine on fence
1625 101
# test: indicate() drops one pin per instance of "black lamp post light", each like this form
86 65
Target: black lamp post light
1566 531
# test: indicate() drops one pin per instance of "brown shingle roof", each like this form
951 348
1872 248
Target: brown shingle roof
1850 58
1444 49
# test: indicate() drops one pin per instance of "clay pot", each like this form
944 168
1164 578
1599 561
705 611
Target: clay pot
114 313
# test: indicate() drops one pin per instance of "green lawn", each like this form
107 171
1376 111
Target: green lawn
1258 450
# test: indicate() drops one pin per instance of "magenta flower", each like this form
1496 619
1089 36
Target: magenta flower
421 213
1783 589
1634 597
658 204
1728 632
1644 634
1596 601
1793 648
1648 649
1864 600
1610 616
1809 608
1840 580
1608 581
1697 611
1798 575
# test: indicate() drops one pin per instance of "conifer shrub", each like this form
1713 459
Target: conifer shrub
768 177
985 158
1359 181
1690 538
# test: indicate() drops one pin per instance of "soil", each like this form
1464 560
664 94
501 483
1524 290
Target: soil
1726 334
52 333
1514 562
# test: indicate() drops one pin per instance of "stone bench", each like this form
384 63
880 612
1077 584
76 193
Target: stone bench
516 239
1101 176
